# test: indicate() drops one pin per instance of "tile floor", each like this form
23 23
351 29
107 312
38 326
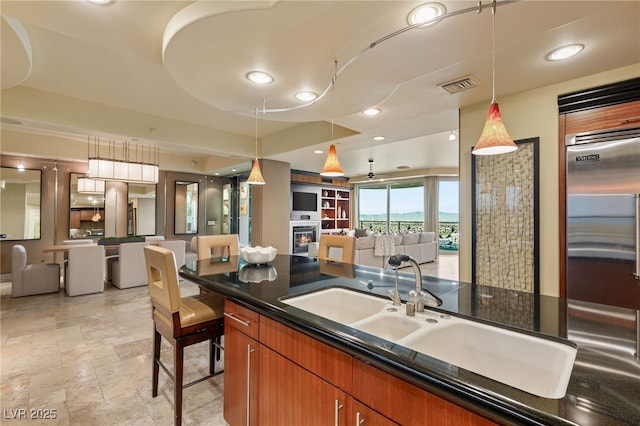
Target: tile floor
89 359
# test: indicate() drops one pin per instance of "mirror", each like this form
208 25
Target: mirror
20 204
141 209
186 212
86 207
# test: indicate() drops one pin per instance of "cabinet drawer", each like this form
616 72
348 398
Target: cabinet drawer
332 365
243 319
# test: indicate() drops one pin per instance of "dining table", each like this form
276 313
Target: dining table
595 395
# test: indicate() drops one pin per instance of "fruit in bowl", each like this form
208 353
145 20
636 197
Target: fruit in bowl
258 255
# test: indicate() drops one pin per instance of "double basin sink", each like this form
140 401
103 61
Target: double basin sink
533 364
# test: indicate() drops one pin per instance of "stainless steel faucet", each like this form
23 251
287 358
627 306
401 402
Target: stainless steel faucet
419 297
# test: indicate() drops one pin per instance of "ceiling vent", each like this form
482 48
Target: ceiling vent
459 84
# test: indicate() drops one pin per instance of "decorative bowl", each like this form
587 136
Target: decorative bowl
258 255
256 274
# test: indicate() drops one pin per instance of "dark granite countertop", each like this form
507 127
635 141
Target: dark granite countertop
604 388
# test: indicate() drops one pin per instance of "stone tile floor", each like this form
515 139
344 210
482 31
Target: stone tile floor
89 359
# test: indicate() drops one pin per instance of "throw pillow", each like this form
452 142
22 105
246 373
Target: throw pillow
361 233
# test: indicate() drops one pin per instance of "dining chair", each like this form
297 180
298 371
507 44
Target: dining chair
217 246
128 269
29 280
85 270
178 249
331 245
182 321
191 252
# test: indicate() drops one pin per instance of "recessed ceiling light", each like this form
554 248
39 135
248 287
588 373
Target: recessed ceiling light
403 167
565 52
426 13
233 170
259 77
371 111
99 1
378 138
318 151
306 96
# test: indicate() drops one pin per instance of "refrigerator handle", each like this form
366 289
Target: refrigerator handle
636 274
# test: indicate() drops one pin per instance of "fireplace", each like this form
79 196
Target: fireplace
301 237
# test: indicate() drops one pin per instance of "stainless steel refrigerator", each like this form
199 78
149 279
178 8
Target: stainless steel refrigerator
603 235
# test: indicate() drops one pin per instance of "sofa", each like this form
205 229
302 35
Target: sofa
370 250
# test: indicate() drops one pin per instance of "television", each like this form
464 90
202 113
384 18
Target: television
305 201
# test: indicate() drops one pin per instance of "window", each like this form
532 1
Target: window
448 211
392 208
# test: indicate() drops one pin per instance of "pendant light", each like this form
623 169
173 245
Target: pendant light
332 166
494 138
96 214
255 177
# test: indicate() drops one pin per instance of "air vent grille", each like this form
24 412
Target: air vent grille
459 84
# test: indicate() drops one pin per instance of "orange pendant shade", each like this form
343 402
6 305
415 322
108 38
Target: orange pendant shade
494 138
255 177
332 165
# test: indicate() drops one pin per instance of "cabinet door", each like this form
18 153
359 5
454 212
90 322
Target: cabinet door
86 214
405 403
74 219
240 377
361 415
290 395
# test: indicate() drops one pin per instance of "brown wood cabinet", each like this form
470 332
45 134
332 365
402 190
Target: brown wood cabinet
406 403
83 215
282 376
291 395
241 365
74 219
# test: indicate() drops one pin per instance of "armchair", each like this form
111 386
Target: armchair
28 280
85 270
129 269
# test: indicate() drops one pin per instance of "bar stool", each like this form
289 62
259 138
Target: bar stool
217 245
346 243
182 321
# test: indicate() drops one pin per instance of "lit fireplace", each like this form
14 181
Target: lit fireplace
302 236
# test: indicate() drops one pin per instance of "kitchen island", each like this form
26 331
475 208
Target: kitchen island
603 388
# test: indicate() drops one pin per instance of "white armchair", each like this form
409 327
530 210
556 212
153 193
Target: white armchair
28 280
191 255
129 269
178 249
85 270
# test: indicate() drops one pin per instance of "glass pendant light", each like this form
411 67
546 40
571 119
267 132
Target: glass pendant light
255 177
494 138
332 167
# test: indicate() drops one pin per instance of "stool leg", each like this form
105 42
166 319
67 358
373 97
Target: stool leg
177 382
157 338
213 351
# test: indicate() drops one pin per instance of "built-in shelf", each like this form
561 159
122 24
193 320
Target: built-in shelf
335 209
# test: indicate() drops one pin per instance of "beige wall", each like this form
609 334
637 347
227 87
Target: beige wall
270 207
528 114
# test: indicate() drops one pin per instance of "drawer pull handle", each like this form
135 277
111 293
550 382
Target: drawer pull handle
359 419
232 316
